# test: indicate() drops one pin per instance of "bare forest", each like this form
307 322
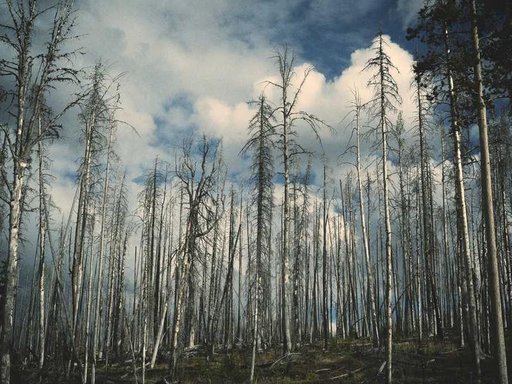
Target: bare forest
397 269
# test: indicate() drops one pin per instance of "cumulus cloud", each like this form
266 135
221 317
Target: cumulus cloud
191 67
329 100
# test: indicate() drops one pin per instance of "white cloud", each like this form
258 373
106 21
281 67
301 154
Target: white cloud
329 100
216 56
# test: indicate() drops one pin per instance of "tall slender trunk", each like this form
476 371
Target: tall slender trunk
488 211
364 232
15 208
87 325
101 250
316 246
285 317
81 221
41 245
12 273
462 220
239 314
428 230
387 224
325 315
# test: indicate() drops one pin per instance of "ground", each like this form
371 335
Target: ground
348 361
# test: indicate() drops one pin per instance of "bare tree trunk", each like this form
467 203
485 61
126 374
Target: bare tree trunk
197 180
386 93
99 283
239 315
144 313
41 245
287 342
316 248
364 231
12 274
159 336
428 231
30 88
325 315
81 221
488 211
389 260
87 324
462 220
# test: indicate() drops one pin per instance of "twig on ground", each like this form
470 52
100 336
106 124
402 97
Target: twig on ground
381 369
285 357
348 374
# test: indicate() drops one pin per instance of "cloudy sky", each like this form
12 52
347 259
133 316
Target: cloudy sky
191 66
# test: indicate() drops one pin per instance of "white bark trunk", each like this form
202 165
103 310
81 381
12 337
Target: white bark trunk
496 318
366 246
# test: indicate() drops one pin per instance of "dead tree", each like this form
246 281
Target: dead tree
198 178
261 143
34 73
488 208
384 102
288 116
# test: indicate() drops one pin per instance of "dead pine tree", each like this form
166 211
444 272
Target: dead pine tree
96 109
34 71
325 218
45 204
428 235
41 249
150 198
111 127
488 207
197 178
261 142
357 107
288 116
384 103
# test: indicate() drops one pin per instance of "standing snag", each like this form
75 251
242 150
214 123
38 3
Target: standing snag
385 101
261 143
35 72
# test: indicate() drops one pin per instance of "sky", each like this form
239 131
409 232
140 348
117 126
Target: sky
190 67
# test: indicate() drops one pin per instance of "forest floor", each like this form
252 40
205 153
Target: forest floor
348 361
